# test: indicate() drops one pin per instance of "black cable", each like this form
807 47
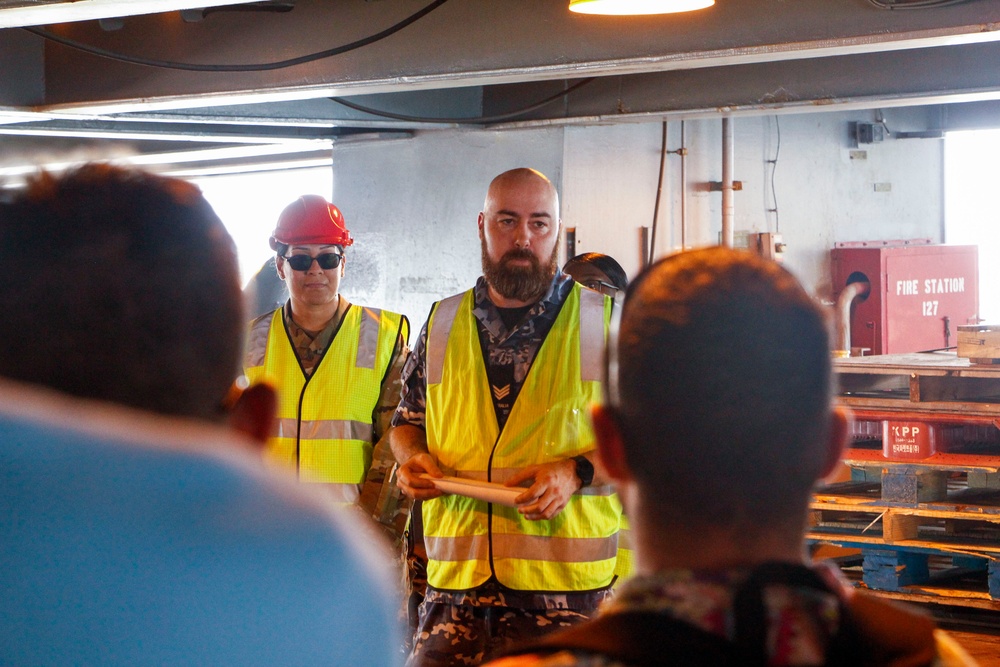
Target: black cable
659 190
914 4
258 67
478 119
880 119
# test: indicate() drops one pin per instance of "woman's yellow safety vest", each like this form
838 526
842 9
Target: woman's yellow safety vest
468 540
324 426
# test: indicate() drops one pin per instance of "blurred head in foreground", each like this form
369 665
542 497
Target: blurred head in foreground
719 410
120 286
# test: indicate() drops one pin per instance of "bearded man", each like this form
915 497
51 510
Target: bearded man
497 390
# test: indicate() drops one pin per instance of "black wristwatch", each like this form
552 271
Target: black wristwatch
584 470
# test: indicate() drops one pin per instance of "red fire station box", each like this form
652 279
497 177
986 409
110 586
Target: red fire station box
920 293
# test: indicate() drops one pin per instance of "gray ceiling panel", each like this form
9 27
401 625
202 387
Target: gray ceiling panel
483 60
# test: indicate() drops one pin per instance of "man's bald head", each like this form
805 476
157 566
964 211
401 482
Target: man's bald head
520 179
519 231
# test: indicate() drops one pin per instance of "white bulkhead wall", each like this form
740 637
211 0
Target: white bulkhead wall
412 203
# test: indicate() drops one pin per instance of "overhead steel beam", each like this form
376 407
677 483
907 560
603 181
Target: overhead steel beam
904 78
748 57
174 131
901 78
229 154
326 112
22 69
473 42
18 13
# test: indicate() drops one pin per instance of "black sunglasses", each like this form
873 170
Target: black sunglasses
326 261
601 286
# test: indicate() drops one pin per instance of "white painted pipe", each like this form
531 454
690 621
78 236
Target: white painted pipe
727 182
683 153
844 301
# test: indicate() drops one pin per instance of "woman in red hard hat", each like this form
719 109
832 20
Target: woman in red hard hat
335 364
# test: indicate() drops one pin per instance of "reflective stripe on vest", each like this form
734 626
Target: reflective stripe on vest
323 429
625 561
368 338
467 540
324 426
542 548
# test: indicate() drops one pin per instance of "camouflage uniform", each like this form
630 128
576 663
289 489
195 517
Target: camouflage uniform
801 621
463 628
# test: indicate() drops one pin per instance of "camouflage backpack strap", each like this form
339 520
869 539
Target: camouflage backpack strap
871 632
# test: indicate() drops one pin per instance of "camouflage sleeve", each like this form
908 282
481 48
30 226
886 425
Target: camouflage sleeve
412 405
380 498
392 386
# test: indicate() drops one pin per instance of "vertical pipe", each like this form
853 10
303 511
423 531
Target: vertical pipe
644 252
683 152
659 193
727 182
844 301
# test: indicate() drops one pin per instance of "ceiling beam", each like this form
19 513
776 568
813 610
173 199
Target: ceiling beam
904 78
174 130
22 13
466 43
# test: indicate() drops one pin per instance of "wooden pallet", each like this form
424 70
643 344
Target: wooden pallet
939 531
940 390
947 584
927 529
900 524
979 343
931 383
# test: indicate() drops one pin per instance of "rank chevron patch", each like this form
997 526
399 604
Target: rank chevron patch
501 392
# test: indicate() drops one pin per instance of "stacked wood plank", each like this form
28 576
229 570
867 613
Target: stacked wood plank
979 343
926 528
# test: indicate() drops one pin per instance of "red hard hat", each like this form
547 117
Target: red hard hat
310 219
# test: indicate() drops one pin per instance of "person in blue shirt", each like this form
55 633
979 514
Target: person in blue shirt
139 527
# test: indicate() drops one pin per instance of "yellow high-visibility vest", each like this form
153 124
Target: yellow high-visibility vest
324 427
468 540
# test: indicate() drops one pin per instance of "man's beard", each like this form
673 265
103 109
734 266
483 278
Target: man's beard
519 283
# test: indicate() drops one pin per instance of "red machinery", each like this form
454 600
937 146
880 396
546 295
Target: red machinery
919 293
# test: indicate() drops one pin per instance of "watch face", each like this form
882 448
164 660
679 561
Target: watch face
584 470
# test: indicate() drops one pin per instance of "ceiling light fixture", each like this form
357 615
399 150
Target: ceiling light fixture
632 7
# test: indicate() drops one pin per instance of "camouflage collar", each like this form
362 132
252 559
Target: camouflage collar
486 311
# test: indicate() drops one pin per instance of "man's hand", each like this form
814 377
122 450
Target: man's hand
409 480
553 485
409 446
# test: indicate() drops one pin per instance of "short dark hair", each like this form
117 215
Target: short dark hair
123 286
606 264
724 386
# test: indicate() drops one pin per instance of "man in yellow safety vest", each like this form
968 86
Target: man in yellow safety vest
498 390
335 364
